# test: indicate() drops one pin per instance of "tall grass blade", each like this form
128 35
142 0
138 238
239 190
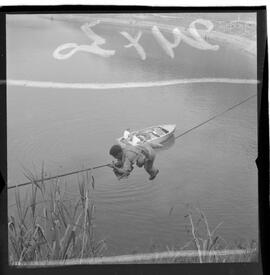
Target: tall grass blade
69 238
75 210
33 200
18 203
22 209
56 244
64 240
216 228
93 182
195 238
31 177
42 184
12 225
82 191
85 220
13 245
213 243
61 214
99 248
76 225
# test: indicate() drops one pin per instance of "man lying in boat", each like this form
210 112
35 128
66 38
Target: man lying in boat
142 155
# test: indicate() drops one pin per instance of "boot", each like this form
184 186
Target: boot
154 175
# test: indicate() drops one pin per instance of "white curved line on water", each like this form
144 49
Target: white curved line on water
106 86
139 258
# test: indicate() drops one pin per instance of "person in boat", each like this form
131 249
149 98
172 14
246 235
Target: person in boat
127 134
141 155
130 138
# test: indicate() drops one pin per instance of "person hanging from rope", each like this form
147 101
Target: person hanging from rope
142 155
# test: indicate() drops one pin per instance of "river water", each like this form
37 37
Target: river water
212 167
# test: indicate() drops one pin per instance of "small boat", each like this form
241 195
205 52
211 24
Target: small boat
154 135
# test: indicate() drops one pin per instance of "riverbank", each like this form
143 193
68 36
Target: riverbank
239 34
245 41
47 229
169 257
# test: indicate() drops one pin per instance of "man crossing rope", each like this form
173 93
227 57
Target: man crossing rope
142 155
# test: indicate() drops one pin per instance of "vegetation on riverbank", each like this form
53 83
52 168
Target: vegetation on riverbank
48 228
54 229
207 246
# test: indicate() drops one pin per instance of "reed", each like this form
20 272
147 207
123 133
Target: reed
209 244
205 245
47 226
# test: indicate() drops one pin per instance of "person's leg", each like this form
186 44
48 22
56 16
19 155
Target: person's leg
149 159
150 169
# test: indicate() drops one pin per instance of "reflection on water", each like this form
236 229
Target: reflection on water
212 167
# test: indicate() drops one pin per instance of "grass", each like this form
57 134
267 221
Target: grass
53 229
46 227
207 246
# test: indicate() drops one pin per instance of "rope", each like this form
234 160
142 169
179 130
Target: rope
58 176
101 166
215 116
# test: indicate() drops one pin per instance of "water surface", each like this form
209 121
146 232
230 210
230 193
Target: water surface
212 167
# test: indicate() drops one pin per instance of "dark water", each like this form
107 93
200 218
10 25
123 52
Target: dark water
212 167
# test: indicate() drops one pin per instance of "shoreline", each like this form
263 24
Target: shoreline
184 256
239 42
